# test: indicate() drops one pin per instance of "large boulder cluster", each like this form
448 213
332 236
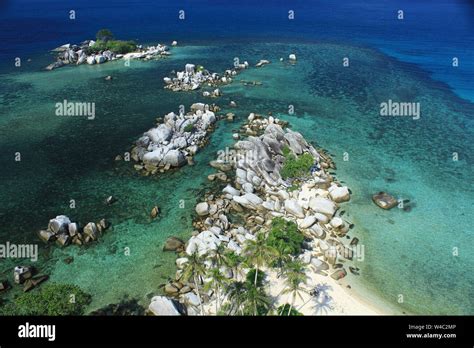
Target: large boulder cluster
65 232
175 141
258 194
192 78
82 54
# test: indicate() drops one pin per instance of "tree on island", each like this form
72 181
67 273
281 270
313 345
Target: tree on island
216 282
234 261
256 299
259 253
237 295
104 35
195 269
296 279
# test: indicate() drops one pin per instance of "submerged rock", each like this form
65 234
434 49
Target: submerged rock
110 200
384 200
173 244
34 282
262 62
55 65
154 212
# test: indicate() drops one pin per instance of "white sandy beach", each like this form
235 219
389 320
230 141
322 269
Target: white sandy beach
334 298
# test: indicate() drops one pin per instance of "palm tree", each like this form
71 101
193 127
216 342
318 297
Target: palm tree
195 269
259 253
233 261
296 278
256 298
236 293
281 261
217 281
218 255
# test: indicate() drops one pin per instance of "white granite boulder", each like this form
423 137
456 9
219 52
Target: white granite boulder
339 194
208 118
174 158
90 60
231 190
160 134
248 200
323 206
59 224
202 209
307 222
202 243
161 305
292 207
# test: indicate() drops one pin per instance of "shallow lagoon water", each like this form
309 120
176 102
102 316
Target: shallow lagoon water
406 253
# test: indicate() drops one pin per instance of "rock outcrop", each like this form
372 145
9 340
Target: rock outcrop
194 77
65 232
161 305
175 141
85 54
258 194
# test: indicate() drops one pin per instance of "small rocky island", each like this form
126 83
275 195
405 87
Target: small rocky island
105 49
175 140
192 78
65 232
282 196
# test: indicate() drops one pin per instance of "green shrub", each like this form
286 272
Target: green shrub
189 128
116 46
285 237
121 47
7 309
52 299
104 35
97 47
286 151
295 167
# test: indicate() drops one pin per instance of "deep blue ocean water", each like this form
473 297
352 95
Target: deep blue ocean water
431 33
408 253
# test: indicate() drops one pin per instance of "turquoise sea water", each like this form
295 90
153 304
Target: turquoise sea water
406 253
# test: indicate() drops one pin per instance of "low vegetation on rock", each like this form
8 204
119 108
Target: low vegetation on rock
296 166
51 299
